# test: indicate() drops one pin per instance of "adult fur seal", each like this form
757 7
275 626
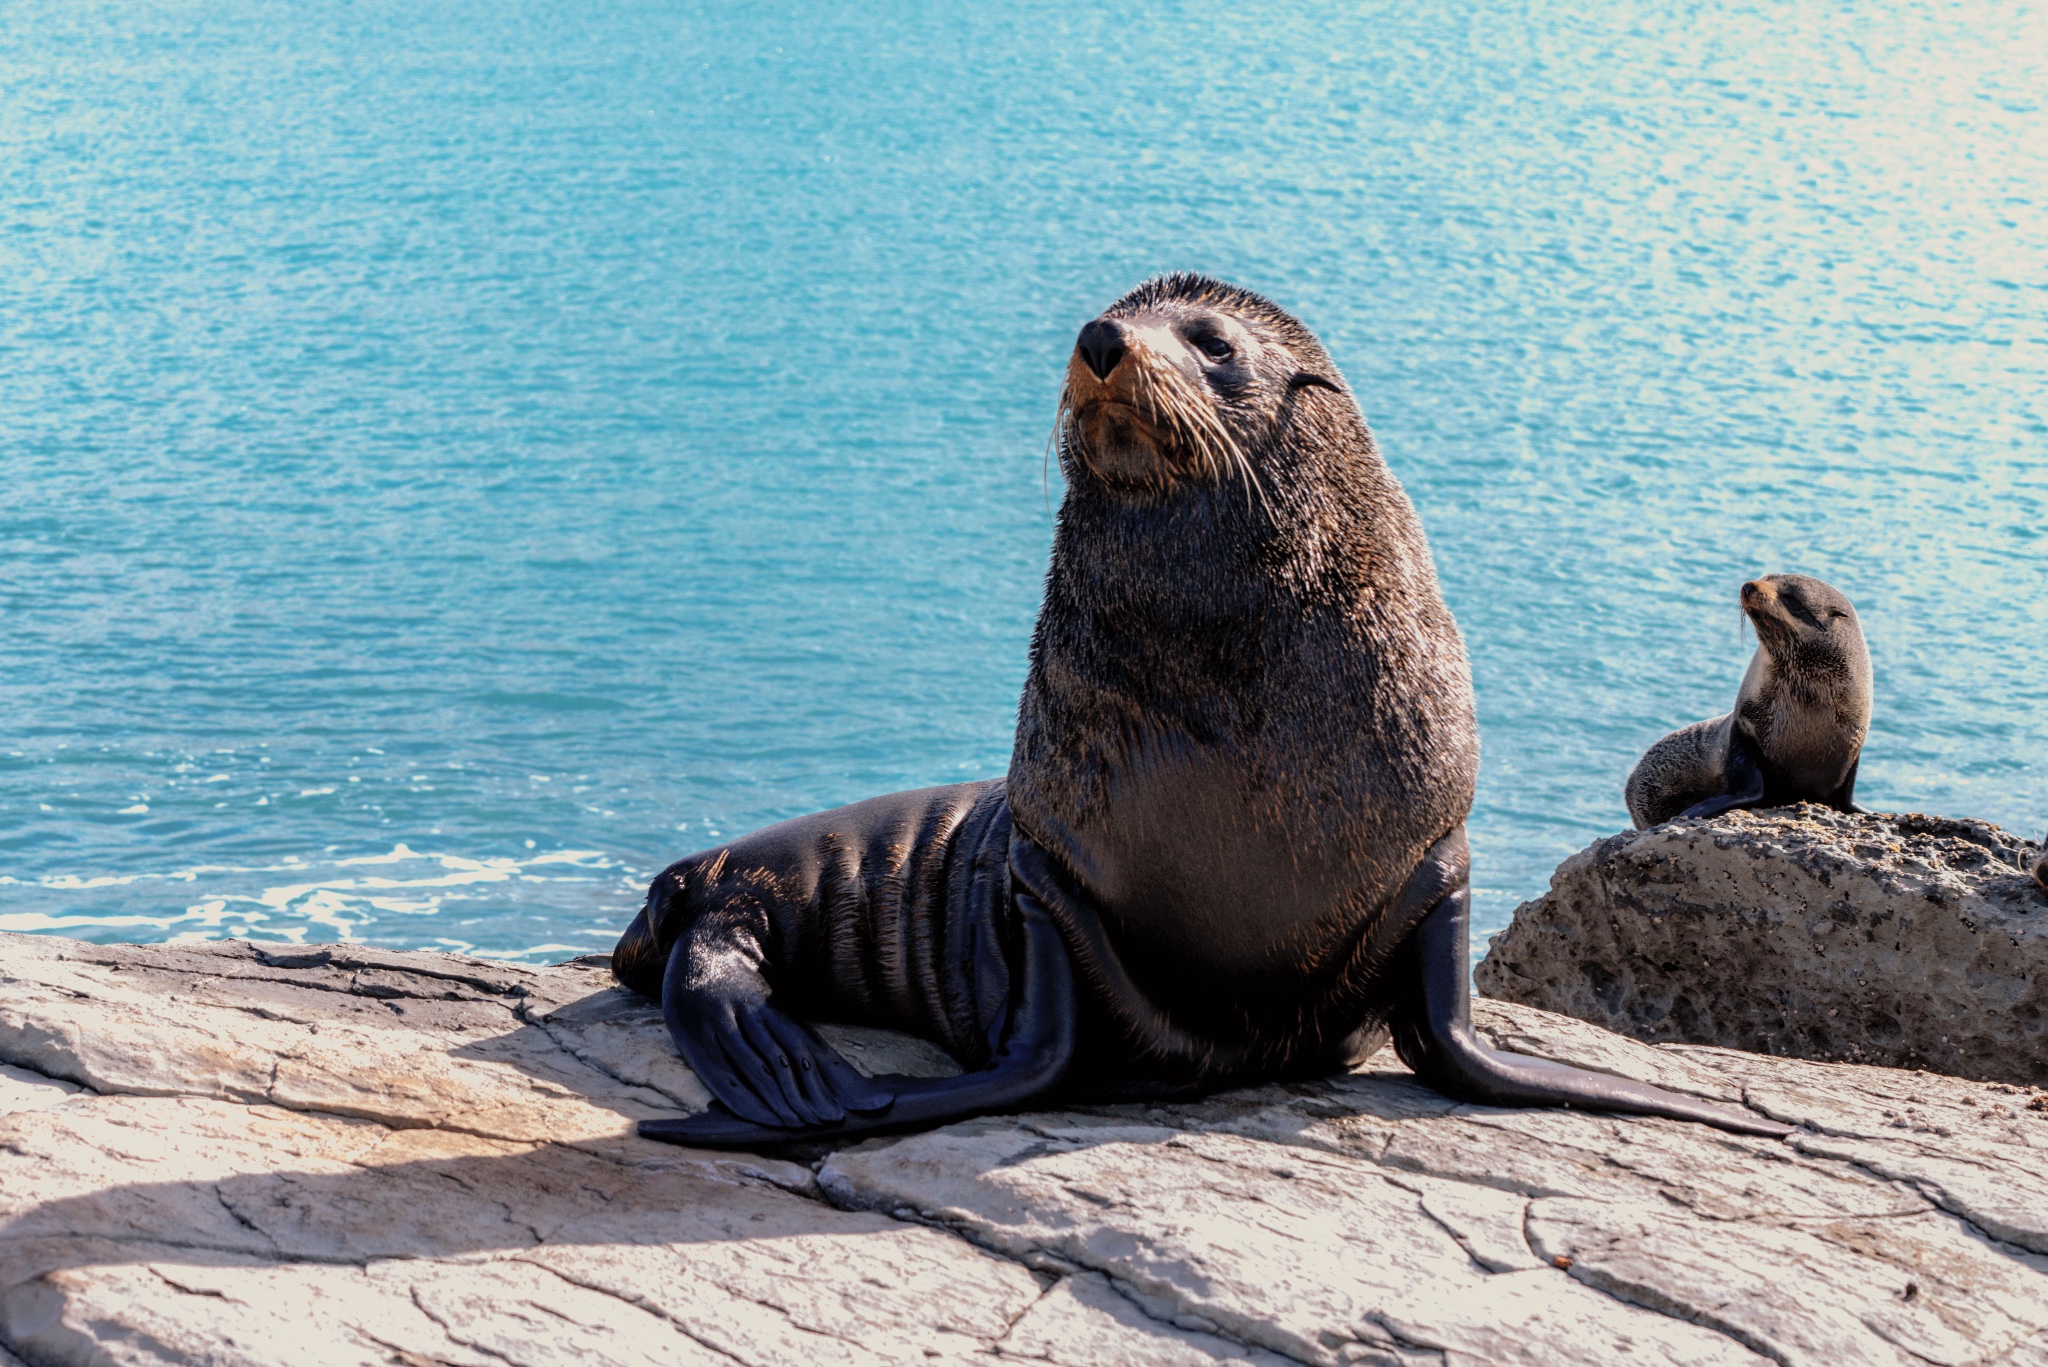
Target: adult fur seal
1800 717
1231 844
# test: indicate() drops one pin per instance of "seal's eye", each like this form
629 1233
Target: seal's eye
1213 345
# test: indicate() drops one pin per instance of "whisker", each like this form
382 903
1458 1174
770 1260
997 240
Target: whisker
1199 424
1059 422
1178 410
1215 442
1184 422
1251 475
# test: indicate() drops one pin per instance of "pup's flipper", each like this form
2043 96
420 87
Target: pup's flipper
1743 779
1845 800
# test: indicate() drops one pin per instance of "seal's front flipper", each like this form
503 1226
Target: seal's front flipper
764 1066
1433 1033
1034 1044
1845 799
1743 779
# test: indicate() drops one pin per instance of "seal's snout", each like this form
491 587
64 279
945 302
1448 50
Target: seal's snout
1102 344
1756 594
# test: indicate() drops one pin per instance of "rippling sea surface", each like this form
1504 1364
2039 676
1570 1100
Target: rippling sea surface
457 458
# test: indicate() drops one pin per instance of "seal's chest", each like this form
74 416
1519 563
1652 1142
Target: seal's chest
1804 746
1194 858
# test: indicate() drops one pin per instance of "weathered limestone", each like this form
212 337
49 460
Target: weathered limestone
337 1155
1911 941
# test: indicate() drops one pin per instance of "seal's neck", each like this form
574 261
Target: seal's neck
1193 555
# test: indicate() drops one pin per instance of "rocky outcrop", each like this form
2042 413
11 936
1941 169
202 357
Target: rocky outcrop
335 1155
1905 940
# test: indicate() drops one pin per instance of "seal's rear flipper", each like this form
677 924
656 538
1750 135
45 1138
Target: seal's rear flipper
1031 1056
1433 1032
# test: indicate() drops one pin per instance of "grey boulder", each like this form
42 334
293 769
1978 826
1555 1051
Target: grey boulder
1905 940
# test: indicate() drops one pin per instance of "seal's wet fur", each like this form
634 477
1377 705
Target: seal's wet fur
1800 718
894 900
1249 711
1231 842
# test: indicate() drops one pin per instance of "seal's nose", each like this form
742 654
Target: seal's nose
1756 593
1102 345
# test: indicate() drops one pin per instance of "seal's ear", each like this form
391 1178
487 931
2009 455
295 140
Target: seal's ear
1304 380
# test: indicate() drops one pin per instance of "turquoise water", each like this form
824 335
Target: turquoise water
459 457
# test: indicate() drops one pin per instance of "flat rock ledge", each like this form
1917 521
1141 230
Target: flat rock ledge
231 1154
1906 940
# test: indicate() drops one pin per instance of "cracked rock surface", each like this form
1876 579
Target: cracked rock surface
231 1154
1905 940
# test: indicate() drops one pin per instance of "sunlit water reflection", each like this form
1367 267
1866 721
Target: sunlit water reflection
549 439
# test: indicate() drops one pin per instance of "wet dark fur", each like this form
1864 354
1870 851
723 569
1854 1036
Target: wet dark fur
1231 845
895 898
1248 715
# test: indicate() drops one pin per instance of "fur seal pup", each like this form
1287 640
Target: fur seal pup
1796 733
1231 843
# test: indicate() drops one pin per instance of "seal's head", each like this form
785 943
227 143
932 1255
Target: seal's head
1807 695
1186 381
1809 629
